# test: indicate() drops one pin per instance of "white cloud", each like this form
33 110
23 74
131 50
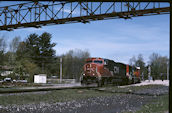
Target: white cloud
68 10
34 29
73 12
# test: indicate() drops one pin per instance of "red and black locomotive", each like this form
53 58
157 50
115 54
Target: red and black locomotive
105 71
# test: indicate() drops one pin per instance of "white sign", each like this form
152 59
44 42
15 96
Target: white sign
42 78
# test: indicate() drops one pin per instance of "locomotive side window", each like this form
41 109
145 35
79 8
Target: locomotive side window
105 62
116 69
98 61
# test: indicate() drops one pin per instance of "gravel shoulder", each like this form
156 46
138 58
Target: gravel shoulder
101 104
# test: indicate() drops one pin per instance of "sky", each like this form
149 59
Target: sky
116 39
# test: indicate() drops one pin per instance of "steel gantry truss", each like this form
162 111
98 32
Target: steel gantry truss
37 14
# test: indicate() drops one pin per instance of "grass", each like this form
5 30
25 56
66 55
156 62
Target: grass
129 89
51 96
160 105
15 85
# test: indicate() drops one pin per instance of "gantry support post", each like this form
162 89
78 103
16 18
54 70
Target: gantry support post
170 63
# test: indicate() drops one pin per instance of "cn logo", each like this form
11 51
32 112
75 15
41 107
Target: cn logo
116 69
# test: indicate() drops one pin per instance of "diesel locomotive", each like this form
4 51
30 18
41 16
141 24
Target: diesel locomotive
104 71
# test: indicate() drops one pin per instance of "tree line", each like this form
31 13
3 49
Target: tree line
158 65
36 55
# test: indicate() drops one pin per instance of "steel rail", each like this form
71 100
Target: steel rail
37 89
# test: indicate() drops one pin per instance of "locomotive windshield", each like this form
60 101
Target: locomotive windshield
89 61
98 61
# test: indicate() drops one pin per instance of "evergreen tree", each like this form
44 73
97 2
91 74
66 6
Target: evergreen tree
40 50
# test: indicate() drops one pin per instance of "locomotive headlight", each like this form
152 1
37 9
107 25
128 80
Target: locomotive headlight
84 74
93 74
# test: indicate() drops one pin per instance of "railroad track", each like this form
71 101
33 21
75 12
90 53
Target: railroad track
56 87
36 89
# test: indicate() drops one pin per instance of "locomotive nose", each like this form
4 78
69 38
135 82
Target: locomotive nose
91 69
91 66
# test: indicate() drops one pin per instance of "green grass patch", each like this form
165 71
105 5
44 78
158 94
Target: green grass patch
160 105
51 96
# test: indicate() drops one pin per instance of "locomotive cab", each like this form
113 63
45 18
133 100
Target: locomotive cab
105 62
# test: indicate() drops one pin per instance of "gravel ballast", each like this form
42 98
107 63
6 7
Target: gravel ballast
111 104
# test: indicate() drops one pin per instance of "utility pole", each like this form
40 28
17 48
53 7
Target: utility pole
42 67
167 70
149 73
60 70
